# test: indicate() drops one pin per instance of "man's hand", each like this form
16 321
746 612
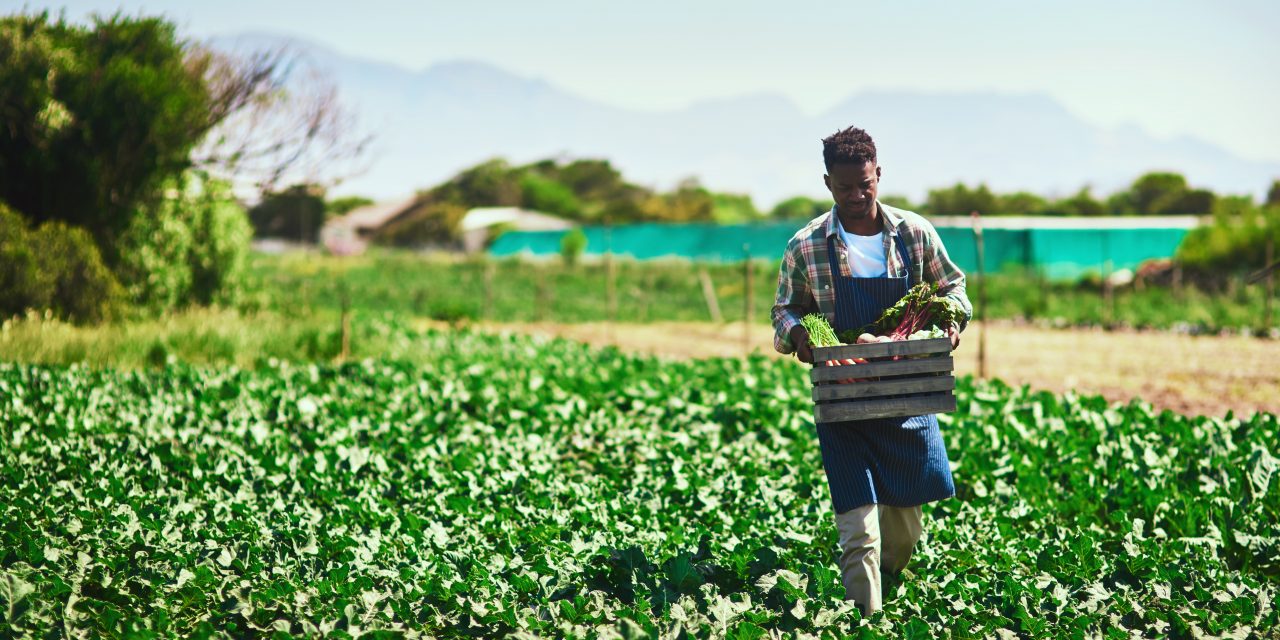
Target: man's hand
800 339
953 332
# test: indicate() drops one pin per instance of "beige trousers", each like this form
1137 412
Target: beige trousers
874 539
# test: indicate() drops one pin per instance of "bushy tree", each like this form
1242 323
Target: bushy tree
190 247
1162 193
54 267
96 117
961 200
429 222
344 205
1022 203
1081 204
1236 240
296 213
488 184
733 208
572 246
541 193
799 208
100 120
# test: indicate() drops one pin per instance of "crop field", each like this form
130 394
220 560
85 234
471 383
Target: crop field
515 486
515 290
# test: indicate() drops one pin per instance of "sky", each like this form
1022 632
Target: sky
1173 68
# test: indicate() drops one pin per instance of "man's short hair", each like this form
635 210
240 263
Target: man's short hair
850 146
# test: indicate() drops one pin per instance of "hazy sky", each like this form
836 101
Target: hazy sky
1173 67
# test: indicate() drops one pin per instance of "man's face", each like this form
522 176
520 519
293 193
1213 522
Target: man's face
854 187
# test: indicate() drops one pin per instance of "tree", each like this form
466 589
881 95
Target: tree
1081 204
102 120
69 151
430 222
572 245
191 246
1154 192
799 208
1273 194
344 205
489 184
55 267
960 200
273 120
690 202
296 213
733 208
1022 203
542 193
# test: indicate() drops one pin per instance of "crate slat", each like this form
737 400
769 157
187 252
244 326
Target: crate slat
885 408
883 349
879 369
829 392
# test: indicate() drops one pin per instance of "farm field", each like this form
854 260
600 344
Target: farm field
1194 375
514 485
515 290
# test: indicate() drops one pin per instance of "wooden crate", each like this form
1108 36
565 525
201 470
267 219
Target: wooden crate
921 383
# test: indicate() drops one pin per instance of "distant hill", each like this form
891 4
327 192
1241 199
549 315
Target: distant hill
430 124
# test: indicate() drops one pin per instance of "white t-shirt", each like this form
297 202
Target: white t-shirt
866 254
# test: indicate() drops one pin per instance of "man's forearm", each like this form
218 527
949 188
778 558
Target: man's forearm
956 293
784 319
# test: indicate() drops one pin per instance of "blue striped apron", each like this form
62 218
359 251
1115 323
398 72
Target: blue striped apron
899 462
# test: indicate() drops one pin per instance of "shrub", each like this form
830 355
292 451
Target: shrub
96 116
428 223
190 248
55 267
297 213
21 287
220 238
572 244
82 288
544 194
1235 242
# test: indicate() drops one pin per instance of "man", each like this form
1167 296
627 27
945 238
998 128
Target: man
850 264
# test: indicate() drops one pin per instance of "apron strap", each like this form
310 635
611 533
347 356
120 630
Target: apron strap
902 253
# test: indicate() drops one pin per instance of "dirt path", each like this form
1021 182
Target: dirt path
1188 374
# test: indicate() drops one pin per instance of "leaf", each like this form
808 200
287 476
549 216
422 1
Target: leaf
917 629
1262 467
680 572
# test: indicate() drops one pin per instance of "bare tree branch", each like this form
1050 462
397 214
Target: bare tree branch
274 122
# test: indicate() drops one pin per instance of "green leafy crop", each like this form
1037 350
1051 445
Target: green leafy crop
520 487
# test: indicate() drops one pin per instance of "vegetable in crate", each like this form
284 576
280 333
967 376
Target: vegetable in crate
920 310
822 335
820 332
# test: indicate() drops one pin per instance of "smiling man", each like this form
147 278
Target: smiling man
850 264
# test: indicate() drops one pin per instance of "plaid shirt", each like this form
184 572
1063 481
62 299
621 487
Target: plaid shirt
805 285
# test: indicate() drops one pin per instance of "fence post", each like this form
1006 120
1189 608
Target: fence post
1271 283
747 299
981 312
346 323
1108 296
709 292
487 313
611 284
540 305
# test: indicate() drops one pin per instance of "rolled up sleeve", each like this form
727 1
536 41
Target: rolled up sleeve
794 299
939 268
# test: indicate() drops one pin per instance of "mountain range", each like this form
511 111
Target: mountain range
429 124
